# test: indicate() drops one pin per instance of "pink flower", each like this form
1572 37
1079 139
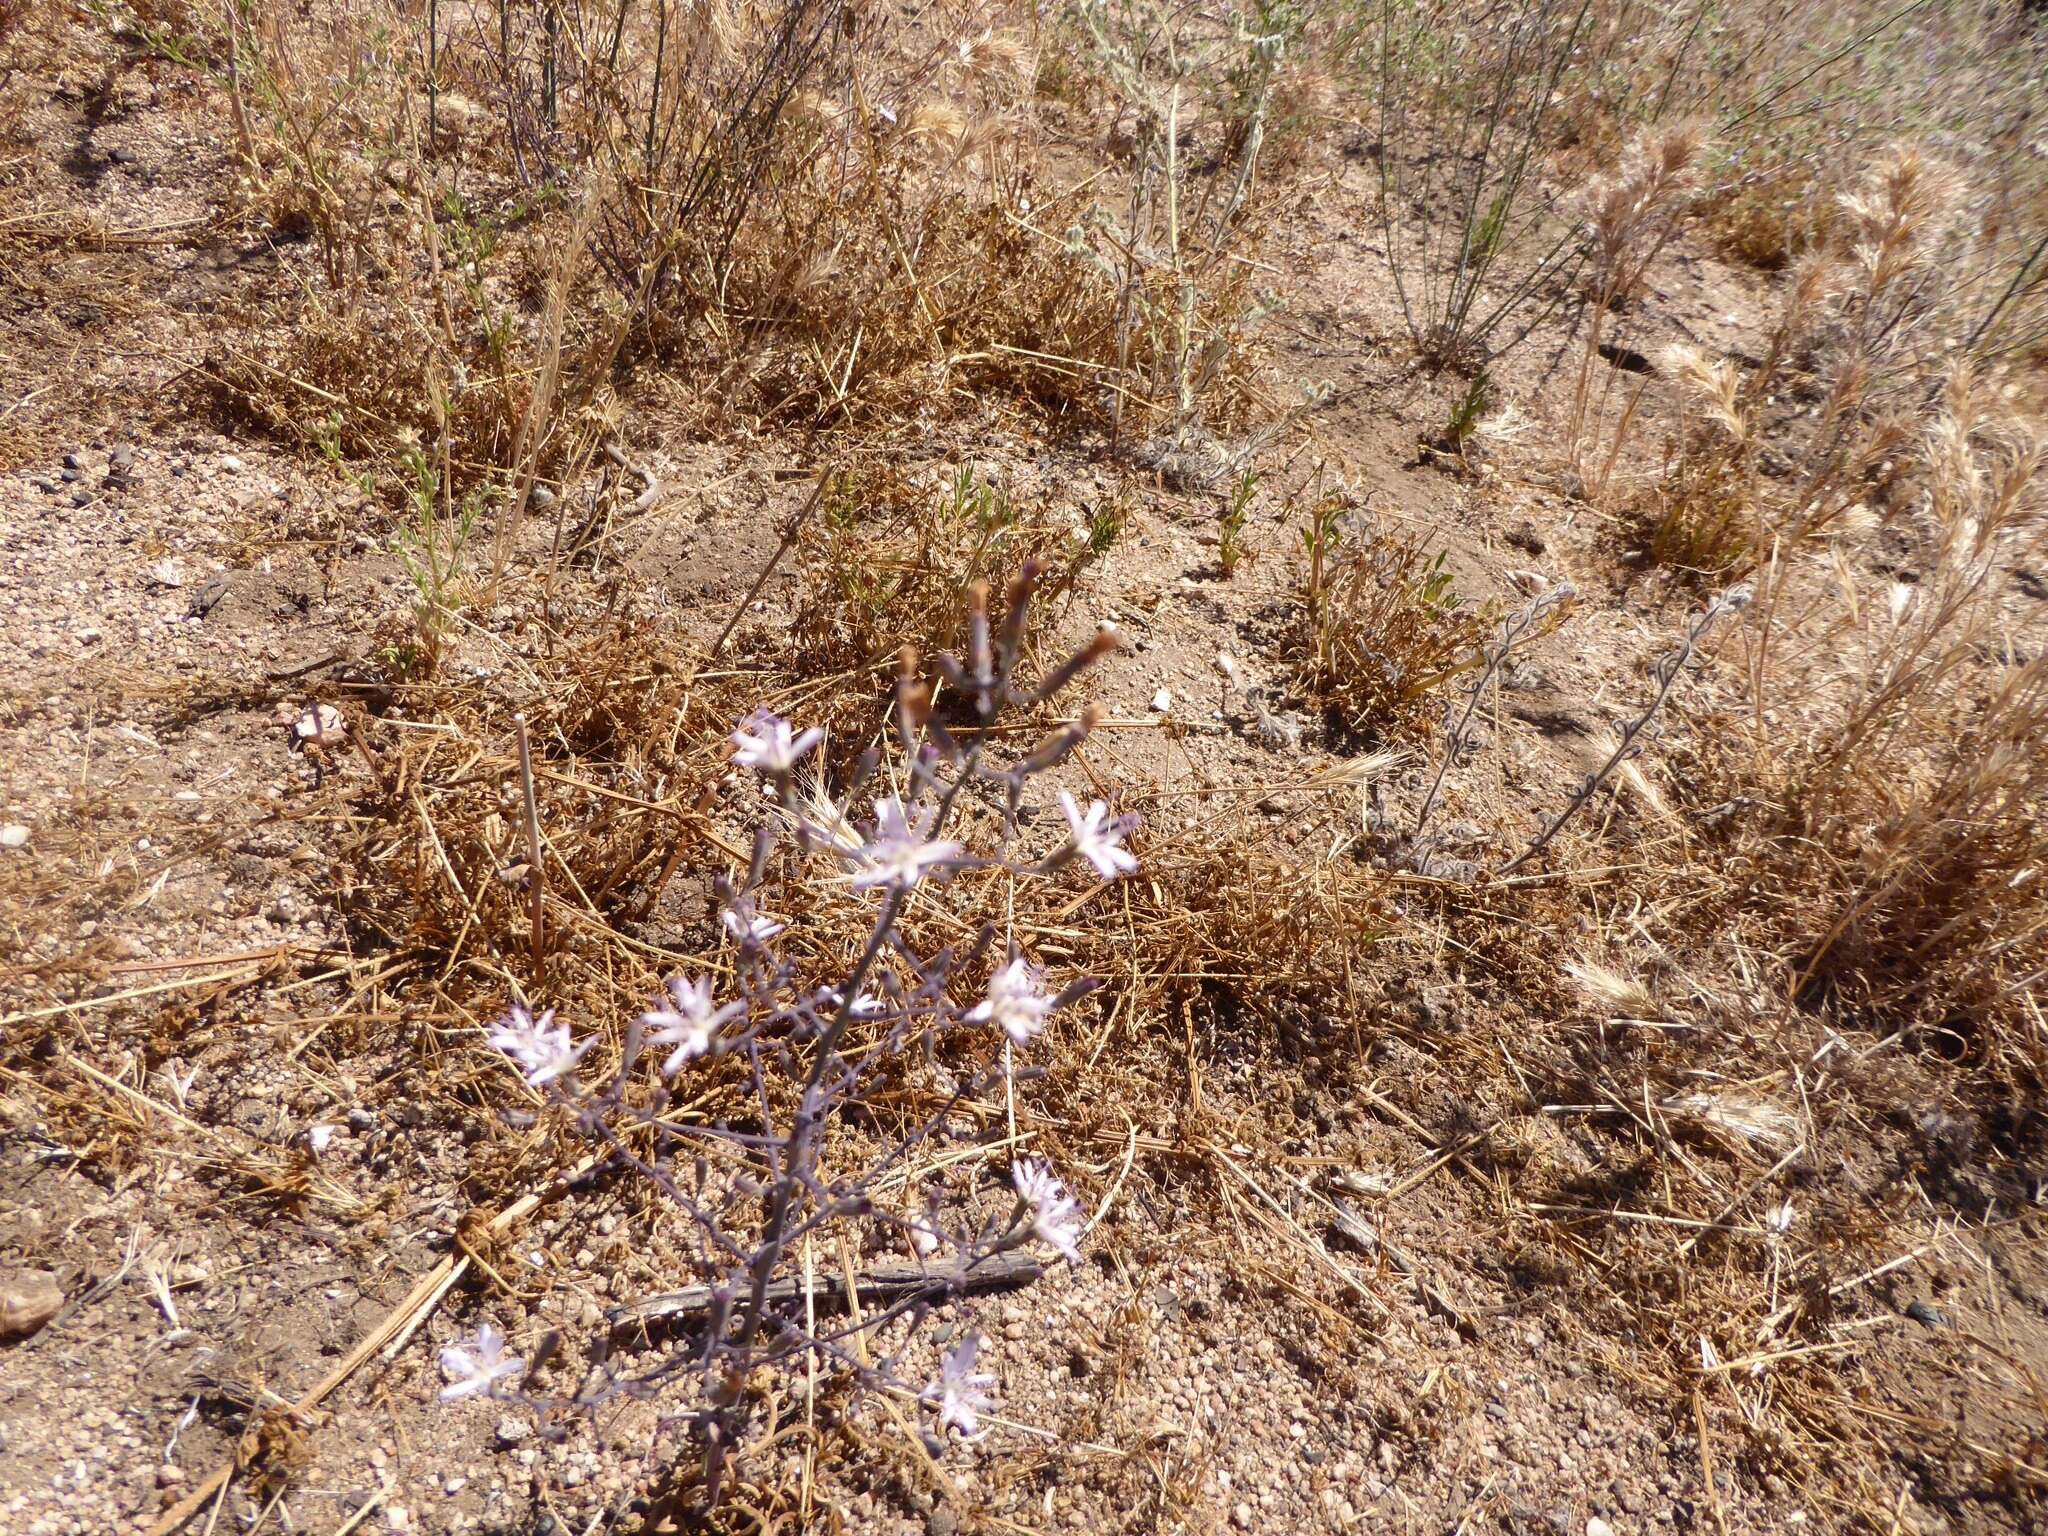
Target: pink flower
1097 839
748 926
689 1021
902 849
477 1365
545 1053
1055 1214
766 744
961 1391
1014 1003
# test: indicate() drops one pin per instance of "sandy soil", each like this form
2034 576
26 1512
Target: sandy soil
184 1004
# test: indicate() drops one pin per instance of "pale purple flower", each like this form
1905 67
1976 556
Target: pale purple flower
961 1392
546 1053
1098 839
1055 1214
689 1020
766 743
866 1005
902 848
748 926
1014 1002
477 1365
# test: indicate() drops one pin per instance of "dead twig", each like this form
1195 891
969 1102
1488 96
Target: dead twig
536 877
791 530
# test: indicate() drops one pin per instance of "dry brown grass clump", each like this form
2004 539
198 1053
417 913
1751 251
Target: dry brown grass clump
625 745
1701 513
1383 630
892 555
1966 76
998 306
1769 221
1913 845
857 226
360 384
1868 784
1882 492
1806 443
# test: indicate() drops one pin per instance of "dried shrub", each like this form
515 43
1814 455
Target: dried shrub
1701 512
1897 867
1801 443
1489 123
436 866
891 563
1936 914
854 224
995 309
1383 631
357 383
1769 220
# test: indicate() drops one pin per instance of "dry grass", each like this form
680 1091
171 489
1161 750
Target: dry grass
1829 937
1893 870
1384 631
892 554
866 233
1911 830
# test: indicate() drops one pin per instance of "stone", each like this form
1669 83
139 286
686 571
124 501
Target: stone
29 1298
207 597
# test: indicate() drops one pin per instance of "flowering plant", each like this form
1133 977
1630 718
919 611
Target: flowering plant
757 1193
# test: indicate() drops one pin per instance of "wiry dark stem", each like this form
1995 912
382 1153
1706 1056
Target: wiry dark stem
1734 600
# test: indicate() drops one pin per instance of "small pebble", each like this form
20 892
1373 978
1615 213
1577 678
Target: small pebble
322 724
29 1298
